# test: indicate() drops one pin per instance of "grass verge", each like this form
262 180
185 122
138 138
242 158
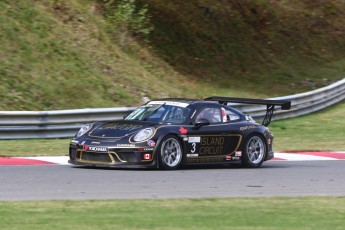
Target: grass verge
323 130
244 213
34 147
64 54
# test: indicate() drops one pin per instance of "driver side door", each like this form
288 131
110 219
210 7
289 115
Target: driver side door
213 142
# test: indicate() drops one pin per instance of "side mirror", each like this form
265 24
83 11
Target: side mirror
201 122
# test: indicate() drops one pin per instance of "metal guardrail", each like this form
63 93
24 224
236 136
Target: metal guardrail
65 123
301 104
53 124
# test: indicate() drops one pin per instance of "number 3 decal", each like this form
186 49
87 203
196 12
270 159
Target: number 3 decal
193 146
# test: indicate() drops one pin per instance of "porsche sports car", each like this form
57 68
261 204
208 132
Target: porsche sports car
171 132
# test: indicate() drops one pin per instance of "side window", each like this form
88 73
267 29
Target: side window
229 116
213 115
177 115
158 113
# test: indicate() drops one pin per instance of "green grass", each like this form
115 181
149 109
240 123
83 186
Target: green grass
64 54
34 147
323 130
245 213
61 55
252 45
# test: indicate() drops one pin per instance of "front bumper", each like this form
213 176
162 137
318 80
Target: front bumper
270 155
113 157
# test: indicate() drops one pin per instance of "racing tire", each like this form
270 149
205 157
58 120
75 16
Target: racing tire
254 151
170 153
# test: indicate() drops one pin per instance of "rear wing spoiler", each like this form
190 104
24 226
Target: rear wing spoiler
270 104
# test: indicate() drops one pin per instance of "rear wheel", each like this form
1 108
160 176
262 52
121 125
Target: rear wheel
254 152
170 155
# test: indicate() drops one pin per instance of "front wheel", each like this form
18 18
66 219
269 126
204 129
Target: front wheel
170 155
254 152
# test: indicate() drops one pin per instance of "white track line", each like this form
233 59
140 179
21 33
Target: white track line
301 157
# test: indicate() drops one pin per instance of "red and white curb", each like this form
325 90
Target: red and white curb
44 160
63 160
309 156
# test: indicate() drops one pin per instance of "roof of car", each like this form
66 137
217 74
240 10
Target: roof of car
185 100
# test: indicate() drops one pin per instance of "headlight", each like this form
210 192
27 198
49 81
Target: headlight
143 134
84 129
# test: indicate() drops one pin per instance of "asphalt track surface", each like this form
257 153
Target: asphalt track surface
275 178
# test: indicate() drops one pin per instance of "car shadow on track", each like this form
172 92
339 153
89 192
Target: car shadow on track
233 166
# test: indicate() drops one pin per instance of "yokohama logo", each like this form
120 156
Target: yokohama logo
96 149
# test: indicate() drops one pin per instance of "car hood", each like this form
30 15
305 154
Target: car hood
118 129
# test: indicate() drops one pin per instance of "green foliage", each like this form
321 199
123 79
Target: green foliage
129 17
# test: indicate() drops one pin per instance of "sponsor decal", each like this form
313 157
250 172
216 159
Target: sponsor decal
125 145
205 160
194 139
183 131
95 148
212 141
148 149
248 127
193 155
96 142
228 158
238 153
180 104
211 145
151 143
147 156
74 142
235 158
126 127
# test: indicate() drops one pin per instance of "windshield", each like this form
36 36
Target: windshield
167 112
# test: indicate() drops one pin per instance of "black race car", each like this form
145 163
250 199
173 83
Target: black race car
167 133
